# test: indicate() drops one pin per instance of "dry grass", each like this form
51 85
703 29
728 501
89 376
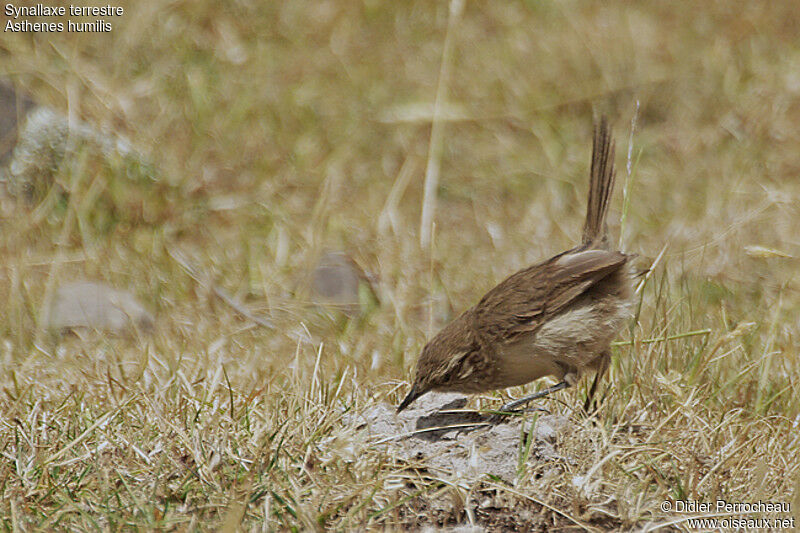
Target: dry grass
282 128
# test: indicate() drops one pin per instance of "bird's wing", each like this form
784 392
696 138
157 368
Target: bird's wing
525 300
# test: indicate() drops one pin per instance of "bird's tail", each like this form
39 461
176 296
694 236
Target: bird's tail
601 186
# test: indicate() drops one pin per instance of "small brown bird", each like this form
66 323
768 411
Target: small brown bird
556 318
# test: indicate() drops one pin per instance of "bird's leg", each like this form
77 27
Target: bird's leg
591 402
510 407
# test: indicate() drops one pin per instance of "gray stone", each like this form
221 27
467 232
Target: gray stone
467 445
337 281
96 306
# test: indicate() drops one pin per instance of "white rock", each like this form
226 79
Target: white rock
93 305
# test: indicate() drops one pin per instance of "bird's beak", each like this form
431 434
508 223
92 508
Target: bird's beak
412 395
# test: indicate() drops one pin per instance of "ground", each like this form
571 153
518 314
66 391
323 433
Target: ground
272 133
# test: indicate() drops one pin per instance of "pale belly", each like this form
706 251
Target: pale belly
571 342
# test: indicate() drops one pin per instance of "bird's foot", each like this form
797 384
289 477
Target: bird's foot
511 407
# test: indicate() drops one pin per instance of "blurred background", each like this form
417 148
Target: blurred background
249 177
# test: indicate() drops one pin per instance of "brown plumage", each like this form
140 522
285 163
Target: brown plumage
556 318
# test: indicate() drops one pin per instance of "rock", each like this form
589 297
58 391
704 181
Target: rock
338 281
96 306
469 448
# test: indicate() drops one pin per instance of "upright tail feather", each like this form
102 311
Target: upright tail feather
595 232
601 186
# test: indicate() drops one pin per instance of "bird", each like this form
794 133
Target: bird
555 318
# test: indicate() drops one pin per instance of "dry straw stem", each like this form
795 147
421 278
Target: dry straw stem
629 173
436 144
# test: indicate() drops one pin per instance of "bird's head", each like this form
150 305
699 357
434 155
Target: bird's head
442 365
